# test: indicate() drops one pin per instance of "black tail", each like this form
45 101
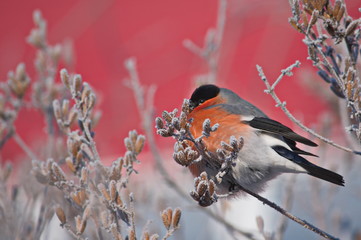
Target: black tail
324 174
311 168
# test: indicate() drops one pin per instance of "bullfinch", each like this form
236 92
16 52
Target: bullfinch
269 147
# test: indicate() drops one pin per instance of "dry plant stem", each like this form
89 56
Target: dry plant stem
213 41
147 118
7 136
72 232
24 146
169 233
271 90
91 143
303 223
84 120
132 212
346 122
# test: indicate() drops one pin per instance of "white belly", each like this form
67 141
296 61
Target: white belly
258 163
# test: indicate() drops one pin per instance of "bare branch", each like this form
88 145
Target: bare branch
270 90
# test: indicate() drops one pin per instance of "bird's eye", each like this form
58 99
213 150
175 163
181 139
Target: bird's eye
201 101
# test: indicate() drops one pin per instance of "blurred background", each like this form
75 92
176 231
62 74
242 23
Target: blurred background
103 34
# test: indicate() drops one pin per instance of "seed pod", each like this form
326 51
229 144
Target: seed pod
159 123
182 120
82 196
129 144
139 144
56 109
60 214
64 76
55 53
175 123
104 219
79 158
240 143
304 19
90 101
86 91
170 214
233 143
121 163
113 190
180 158
167 117
295 25
329 9
103 190
174 112
207 125
352 27
60 175
115 232
77 83
197 180
179 146
226 146
76 199
69 163
313 54
214 127
165 219
80 225
336 8
114 172
195 195
204 176
202 188
176 217
86 151
146 236
349 89
191 156
131 235
221 153
65 107
340 13
119 201
211 187
86 212
185 106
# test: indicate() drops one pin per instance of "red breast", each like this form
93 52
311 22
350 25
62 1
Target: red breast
229 125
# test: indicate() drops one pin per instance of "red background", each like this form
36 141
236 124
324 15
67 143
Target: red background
105 33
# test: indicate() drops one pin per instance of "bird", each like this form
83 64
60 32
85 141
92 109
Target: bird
269 147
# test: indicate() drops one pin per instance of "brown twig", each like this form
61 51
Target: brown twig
24 146
271 90
303 223
210 52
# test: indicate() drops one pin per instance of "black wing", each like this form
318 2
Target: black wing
275 127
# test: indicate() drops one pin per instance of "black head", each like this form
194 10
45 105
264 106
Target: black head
202 94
